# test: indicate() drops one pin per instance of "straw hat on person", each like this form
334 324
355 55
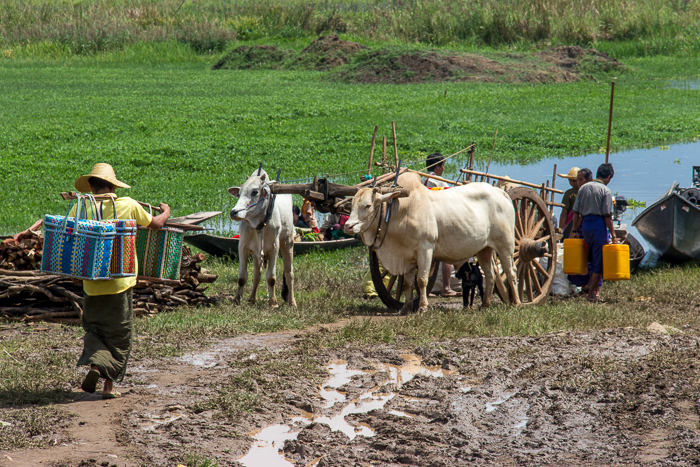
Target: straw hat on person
102 171
573 173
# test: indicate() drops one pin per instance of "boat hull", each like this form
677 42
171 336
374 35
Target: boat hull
222 246
672 227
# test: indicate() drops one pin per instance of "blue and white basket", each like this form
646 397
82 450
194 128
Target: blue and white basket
78 248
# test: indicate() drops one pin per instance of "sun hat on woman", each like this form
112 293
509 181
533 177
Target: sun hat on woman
572 173
102 171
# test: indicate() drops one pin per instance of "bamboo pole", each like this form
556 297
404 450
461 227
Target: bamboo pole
371 150
554 181
434 177
384 149
73 195
471 161
612 96
492 148
396 148
510 180
382 179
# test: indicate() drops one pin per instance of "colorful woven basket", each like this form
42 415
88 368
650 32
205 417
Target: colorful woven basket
78 248
123 262
159 252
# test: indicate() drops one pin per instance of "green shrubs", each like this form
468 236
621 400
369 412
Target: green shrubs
94 26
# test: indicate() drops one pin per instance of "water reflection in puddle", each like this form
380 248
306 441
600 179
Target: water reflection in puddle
151 422
491 406
269 441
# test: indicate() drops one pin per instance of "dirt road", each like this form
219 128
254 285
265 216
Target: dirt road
622 397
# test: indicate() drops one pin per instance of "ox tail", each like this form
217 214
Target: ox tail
285 288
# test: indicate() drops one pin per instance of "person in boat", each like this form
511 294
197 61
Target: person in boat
435 164
108 311
305 224
332 227
593 211
298 220
308 215
567 211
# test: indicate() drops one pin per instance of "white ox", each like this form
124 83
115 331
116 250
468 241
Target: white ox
266 229
447 225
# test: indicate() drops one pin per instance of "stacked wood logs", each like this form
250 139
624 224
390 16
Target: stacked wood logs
27 294
22 252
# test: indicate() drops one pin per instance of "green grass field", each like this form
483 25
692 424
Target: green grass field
181 133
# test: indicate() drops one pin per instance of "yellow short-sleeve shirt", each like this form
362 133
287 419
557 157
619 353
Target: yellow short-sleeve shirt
127 208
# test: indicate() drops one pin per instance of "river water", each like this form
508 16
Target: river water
640 174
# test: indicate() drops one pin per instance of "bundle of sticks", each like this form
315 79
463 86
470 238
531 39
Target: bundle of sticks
31 295
22 251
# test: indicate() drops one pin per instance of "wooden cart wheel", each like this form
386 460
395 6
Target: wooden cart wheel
392 295
535 238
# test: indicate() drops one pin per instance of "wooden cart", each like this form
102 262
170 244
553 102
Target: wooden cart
535 239
535 234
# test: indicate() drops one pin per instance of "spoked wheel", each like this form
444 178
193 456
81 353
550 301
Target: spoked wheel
392 294
534 240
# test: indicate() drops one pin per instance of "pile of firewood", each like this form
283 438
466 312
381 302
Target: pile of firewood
27 294
22 252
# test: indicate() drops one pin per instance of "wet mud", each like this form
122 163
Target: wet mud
616 397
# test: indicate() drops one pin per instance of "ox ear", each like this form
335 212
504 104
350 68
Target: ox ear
235 191
389 196
263 177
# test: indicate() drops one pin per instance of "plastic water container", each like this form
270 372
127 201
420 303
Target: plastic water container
575 256
616 262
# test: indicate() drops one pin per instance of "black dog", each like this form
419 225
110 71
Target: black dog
471 279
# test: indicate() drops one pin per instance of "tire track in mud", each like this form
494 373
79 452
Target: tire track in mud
602 397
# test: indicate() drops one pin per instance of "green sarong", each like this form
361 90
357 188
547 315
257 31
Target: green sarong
108 321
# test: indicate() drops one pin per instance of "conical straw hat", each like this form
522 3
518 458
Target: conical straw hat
102 171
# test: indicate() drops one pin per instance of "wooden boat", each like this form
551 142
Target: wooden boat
195 218
636 251
223 246
671 224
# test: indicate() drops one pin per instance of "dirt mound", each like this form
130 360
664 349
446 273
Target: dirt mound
559 65
574 58
328 52
355 63
258 56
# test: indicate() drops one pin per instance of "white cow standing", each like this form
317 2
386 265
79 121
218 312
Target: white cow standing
447 225
266 228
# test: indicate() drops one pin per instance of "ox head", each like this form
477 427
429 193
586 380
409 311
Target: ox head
365 209
252 198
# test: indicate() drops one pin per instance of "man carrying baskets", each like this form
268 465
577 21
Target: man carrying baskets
108 312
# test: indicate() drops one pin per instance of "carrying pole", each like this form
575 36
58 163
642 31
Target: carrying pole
612 96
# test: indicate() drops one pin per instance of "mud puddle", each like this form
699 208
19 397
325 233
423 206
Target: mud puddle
613 397
217 354
270 440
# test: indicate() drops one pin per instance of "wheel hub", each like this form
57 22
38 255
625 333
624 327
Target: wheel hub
530 250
